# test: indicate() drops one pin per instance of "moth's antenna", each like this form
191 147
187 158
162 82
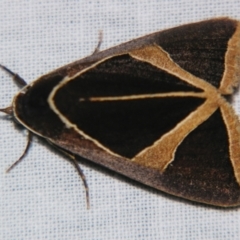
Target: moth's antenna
16 78
9 110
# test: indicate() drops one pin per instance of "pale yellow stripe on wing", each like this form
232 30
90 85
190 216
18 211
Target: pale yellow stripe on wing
162 152
144 96
233 128
156 56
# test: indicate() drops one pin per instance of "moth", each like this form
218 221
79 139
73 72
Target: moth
154 109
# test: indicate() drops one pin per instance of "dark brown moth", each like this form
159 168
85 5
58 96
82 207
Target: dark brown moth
152 109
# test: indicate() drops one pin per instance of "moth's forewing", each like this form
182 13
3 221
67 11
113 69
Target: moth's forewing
150 109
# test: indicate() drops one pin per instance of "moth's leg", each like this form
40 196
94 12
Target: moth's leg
29 141
72 159
100 39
